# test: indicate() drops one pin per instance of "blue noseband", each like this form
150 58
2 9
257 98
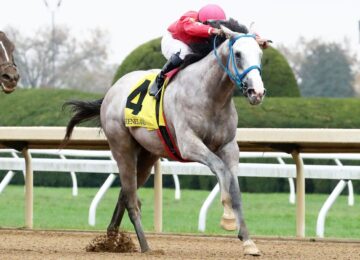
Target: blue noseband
237 77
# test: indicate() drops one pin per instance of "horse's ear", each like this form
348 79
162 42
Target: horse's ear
228 33
252 28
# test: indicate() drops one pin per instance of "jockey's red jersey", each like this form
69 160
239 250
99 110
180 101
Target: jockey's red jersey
188 29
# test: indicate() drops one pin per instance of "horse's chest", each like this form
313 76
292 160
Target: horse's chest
216 134
213 126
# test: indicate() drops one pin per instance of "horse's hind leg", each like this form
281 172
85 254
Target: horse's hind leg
117 215
145 162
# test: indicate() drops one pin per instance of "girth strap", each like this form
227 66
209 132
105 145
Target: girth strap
165 135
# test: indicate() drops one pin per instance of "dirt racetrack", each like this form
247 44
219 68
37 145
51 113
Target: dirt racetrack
24 244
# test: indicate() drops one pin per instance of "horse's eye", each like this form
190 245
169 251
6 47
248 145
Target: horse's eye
238 55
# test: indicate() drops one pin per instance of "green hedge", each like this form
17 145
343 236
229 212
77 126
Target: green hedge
42 107
299 113
277 75
38 107
146 56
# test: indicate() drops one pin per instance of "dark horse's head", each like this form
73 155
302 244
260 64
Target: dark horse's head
9 75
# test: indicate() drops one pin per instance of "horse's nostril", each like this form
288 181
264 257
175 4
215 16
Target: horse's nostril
251 91
10 77
6 77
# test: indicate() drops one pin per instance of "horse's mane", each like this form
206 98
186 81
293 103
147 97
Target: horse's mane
200 50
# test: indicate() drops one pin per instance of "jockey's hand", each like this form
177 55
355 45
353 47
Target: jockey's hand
264 43
217 31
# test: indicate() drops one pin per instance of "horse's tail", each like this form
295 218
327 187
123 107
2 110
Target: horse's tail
82 111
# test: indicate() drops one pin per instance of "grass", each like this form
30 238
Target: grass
266 214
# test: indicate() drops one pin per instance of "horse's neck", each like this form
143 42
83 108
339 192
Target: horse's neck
213 82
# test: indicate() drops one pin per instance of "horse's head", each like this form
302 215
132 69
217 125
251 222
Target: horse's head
244 64
9 75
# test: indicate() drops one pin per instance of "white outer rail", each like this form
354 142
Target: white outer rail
73 153
320 227
292 140
247 169
55 165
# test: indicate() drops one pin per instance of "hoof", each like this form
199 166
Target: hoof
155 252
146 250
250 248
112 232
228 224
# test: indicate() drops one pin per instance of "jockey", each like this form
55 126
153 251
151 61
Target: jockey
191 27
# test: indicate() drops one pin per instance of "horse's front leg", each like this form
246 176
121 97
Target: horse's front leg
230 156
193 149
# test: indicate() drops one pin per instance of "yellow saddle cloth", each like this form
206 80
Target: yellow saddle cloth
140 106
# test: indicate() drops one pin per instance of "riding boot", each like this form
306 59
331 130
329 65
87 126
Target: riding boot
174 62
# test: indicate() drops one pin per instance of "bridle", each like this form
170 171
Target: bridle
6 64
237 77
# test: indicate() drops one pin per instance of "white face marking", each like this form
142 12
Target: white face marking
6 54
250 51
251 55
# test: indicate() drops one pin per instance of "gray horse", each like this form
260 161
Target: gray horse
201 117
9 75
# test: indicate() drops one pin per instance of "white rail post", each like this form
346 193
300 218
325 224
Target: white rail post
158 198
204 208
320 224
5 181
14 154
351 193
300 194
177 187
176 183
292 191
73 178
29 184
291 184
350 187
8 177
99 195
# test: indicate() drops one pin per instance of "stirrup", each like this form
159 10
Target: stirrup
158 93
154 89
156 85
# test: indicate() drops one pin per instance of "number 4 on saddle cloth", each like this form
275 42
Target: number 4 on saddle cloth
143 110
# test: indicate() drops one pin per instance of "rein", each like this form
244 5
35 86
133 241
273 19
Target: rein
238 77
5 52
7 63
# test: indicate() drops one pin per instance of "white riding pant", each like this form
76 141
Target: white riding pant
170 46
